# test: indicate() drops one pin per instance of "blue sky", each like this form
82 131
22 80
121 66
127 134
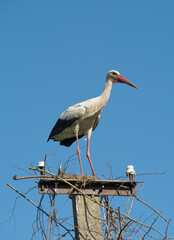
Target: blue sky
54 54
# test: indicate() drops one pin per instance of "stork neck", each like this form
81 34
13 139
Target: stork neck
106 93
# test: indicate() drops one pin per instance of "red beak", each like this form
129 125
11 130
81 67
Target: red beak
121 79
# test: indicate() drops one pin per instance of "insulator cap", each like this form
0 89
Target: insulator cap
41 164
130 172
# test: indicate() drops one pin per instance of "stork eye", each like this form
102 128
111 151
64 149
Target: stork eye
114 73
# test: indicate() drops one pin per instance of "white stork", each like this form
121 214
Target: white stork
82 118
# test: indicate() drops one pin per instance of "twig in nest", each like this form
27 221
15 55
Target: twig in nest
60 166
28 177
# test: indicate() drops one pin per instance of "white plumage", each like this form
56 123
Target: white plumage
82 118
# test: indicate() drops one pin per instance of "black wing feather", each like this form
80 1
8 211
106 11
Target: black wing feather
67 142
60 125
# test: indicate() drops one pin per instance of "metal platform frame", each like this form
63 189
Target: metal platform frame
95 187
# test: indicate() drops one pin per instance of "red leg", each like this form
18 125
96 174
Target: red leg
88 156
78 152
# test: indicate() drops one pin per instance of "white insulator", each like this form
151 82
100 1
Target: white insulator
130 172
41 164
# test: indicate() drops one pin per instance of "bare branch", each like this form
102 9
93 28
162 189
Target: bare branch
151 208
39 208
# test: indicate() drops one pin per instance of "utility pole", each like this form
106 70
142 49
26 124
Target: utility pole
86 200
87 217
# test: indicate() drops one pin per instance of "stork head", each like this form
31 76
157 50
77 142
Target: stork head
116 77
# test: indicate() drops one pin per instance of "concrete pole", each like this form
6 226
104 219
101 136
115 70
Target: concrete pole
87 218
